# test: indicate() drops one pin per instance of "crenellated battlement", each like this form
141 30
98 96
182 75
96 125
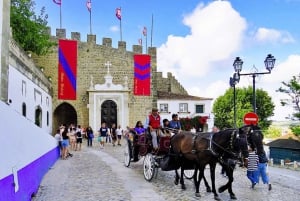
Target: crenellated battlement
169 84
107 42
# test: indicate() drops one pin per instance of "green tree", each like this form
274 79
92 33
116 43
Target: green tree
295 129
28 29
292 89
223 107
273 132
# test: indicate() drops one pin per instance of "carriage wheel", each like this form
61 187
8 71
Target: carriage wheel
149 167
127 153
189 174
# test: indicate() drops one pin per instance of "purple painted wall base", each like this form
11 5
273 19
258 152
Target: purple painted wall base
29 178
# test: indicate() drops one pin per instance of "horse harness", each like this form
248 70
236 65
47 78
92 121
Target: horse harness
209 137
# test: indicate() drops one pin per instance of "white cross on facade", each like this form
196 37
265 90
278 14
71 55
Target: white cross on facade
107 64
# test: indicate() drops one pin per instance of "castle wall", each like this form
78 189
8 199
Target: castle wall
169 84
91 59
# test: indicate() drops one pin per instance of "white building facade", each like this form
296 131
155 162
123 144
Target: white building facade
29 91
185 106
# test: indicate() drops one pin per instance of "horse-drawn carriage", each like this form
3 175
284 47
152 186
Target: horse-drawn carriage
140 146
197 149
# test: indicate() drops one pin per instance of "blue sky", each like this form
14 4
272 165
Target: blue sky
198 40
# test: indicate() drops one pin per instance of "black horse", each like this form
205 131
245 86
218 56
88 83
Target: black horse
210 148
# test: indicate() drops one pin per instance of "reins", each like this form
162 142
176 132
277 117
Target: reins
227 150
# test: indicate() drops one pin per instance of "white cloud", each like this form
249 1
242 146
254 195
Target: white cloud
216 33
114 29
273 36
284 71
213 90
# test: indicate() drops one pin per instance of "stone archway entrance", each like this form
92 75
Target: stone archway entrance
109 112
64 114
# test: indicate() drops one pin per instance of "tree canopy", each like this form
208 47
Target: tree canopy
223 107
292 89
29 29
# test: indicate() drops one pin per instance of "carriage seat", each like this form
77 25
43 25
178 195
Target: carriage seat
164 144
142 139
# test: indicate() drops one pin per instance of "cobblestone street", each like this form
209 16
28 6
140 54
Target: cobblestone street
95 174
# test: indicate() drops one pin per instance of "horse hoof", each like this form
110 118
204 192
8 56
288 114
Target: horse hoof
208 190
233 197
176 182
197 195
183 187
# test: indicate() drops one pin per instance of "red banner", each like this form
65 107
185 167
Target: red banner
142 73
67 69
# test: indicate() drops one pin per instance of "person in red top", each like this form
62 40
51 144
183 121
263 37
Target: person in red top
154 123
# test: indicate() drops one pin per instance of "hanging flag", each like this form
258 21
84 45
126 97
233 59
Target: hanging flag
145 31
118 13
89 5
142 73
140 41
58 2
67 69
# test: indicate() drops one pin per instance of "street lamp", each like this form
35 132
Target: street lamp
269 64
233 81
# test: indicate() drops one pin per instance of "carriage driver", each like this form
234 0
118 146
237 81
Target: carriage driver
154 123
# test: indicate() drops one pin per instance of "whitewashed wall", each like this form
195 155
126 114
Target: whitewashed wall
173 106
26 154
19 95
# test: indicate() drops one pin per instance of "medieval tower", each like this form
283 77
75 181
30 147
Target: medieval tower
105 81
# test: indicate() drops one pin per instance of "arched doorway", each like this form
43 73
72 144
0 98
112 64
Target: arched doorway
109 112
64 114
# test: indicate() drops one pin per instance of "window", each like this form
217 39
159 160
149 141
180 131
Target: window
47 118
24 109
47 101
38 117
199 109
23 88
37 96
163 108
183 107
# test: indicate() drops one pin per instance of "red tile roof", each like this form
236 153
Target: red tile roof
173 96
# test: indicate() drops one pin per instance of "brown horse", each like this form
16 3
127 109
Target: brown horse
210 148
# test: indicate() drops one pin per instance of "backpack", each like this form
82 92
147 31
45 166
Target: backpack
78 134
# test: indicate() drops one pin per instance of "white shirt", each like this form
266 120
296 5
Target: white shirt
119 131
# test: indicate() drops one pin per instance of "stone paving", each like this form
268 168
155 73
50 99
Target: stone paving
95 174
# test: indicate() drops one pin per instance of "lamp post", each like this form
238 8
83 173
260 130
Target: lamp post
233 81
269 64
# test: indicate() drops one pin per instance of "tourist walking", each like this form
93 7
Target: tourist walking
103 132
78 138
252 169
119 132
65 143
58 138
262 169
113 134
90 136
72 137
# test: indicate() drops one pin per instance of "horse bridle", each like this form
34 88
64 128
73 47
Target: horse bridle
230 150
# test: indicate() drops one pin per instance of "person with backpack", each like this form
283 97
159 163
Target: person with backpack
90 136
78 138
